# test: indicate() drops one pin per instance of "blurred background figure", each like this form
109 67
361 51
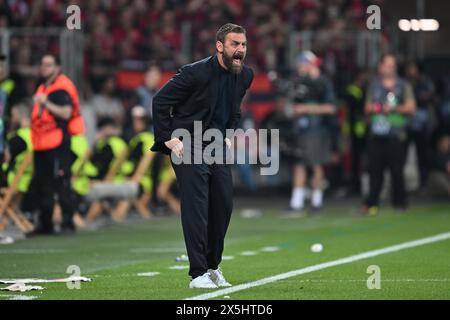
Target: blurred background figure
143 96
438 184
108 147
420 126
17 148
141 141
313 98
83 170
354 100
389 102
7 86
244 149
54 118
147 90
443 110
140 144
106 103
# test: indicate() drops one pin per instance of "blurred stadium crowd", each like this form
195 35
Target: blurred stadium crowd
121 32
138 29
146 36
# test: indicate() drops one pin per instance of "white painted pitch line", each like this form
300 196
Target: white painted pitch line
227 257
270 249
365 280
350 259
249 253
32 280
178 267
147 274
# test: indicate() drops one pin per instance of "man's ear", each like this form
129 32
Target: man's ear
219 46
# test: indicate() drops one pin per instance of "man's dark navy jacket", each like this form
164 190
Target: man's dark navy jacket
191 96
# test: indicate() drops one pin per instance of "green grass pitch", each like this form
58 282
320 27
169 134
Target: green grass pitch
114 256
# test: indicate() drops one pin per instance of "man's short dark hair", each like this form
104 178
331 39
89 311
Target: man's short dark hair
228 28
54 56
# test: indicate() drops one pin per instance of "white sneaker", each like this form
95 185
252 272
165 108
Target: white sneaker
203 282
218 278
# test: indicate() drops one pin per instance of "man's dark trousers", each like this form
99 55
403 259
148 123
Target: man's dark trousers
52 176
385 153
206 206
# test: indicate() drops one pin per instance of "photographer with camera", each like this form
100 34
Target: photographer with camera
312 96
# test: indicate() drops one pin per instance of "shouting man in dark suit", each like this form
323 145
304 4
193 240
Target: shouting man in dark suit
209 91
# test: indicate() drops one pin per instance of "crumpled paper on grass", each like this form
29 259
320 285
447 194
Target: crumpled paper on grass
21 287
69 279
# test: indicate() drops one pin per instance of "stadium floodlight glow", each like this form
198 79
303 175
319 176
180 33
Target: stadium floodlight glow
404 25
429 25
418 25
415 25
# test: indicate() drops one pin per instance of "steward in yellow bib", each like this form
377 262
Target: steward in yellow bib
55 116
7 95
19 145
82 170
139 144
160 177
108 149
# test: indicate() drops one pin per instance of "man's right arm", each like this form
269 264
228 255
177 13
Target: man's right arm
171 95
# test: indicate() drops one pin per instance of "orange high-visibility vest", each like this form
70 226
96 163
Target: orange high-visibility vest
45 133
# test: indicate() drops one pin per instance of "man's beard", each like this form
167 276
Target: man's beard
228 62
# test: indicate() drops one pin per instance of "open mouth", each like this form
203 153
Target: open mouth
237 59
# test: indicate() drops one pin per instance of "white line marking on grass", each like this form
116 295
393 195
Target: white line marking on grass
321 266
270 249
227 257
147 274
32 280
249 253
178 267
383 280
